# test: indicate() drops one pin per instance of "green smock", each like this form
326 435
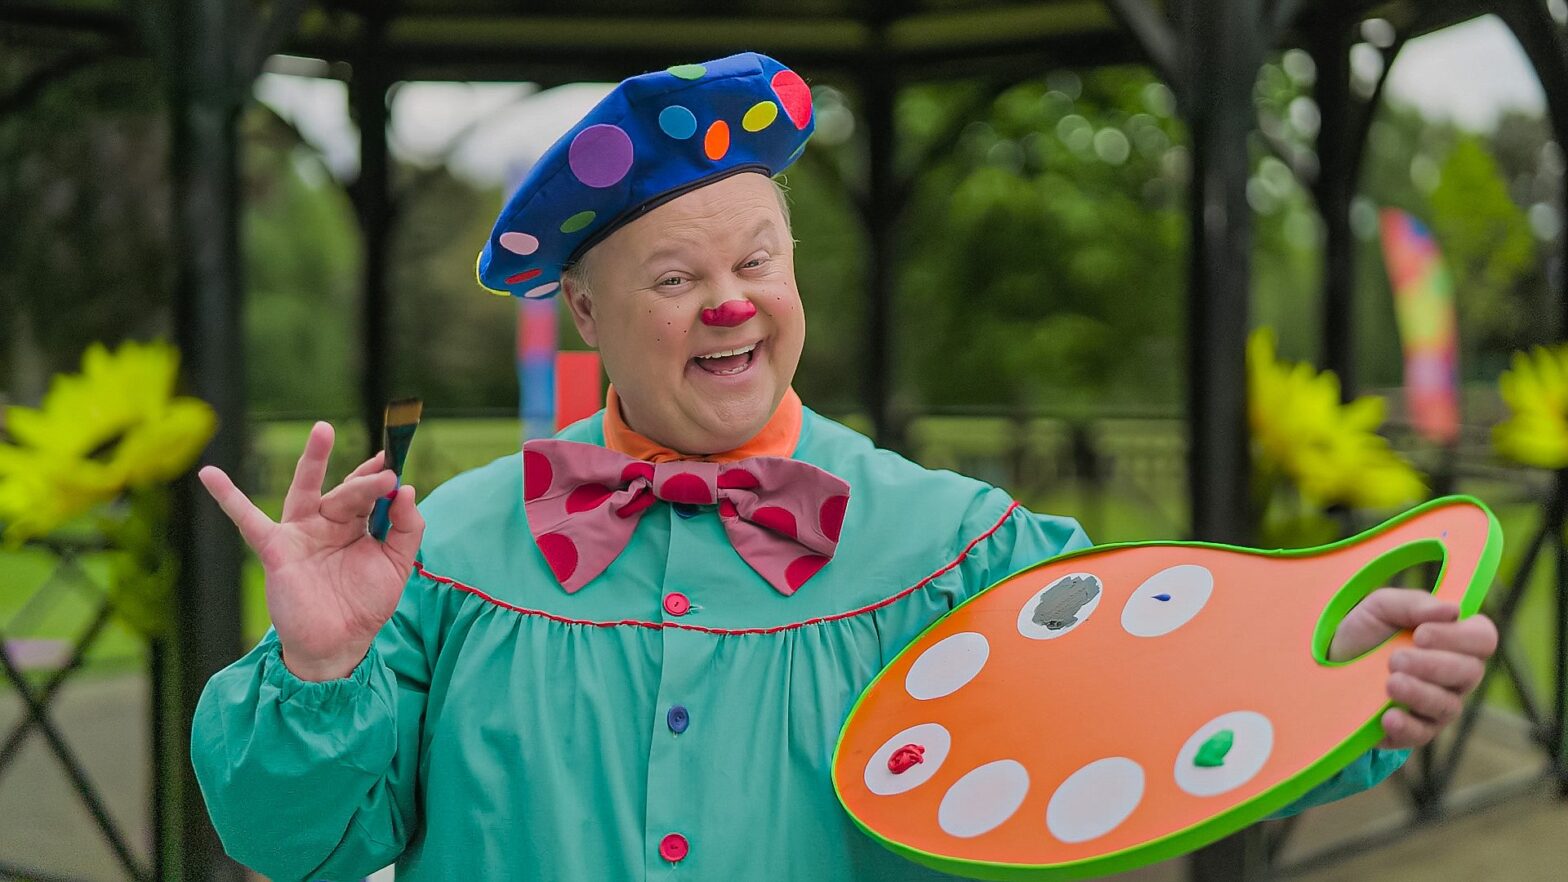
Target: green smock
500 728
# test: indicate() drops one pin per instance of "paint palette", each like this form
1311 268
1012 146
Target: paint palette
1127 703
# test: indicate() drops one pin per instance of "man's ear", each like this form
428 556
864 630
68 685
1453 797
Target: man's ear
580 302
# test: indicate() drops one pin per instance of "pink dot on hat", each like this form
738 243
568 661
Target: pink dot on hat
541 291
795 95
519 243
601 155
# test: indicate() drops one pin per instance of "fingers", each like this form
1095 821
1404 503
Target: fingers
305 490
369 466
255 527
1475 636
1401 731
1407 608
408 525
1456 671
1429 702
354 498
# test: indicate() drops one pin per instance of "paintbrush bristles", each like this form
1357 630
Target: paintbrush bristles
404 411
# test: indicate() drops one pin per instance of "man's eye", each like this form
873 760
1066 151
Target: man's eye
671 281
755 261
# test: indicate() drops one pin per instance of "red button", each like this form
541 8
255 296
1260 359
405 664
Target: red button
676 604
674 847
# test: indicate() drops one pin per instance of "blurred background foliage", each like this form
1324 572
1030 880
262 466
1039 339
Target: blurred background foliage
1039 262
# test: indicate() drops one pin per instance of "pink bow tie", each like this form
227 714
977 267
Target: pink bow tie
583 501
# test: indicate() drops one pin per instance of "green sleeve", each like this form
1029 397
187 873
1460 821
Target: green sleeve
314 782
1366 772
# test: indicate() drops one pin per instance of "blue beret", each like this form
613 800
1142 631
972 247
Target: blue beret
654 137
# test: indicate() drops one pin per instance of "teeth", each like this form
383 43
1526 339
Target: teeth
729 353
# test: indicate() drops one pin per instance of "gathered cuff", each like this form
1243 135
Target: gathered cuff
291 687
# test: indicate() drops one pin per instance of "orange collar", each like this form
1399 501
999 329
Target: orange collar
777 438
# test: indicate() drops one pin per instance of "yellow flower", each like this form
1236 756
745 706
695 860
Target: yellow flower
1330 450
115 425
1536 392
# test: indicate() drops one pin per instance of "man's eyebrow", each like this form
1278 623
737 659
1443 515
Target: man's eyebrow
766 225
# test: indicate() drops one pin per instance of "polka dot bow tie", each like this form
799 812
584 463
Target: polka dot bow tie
783 516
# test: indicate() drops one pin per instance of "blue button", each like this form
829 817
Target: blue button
678 719
686 509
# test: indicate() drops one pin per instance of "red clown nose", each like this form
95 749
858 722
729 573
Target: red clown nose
728 315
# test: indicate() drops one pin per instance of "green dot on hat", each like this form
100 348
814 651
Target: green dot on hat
577 221
689 71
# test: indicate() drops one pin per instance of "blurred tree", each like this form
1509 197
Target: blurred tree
83 181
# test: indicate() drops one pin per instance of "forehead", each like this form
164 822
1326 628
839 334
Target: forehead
730 207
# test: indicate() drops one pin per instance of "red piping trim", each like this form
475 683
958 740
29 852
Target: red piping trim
634 623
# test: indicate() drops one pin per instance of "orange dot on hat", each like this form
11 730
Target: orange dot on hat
760 116
717 142
519 243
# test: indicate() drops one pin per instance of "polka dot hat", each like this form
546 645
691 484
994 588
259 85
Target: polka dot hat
654 137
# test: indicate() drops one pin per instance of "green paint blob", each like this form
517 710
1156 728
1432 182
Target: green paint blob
577 221
689 71
1213 751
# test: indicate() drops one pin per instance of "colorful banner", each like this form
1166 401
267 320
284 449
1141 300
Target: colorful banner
1428 328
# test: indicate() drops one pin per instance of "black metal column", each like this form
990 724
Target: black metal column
1222 52
373 203
1335 188
878 93
205 101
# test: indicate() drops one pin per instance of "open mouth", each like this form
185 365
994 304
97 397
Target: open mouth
728 362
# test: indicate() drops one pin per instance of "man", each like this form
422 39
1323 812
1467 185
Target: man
626 653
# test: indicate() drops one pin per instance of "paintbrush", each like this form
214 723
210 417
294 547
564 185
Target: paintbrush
402 418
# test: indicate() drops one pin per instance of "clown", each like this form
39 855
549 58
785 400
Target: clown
625 653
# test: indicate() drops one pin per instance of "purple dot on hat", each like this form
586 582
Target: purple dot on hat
541 291
519 243
677 122
601 155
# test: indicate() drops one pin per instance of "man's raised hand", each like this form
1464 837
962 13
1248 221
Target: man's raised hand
330 584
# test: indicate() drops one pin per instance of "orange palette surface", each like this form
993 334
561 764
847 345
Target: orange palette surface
1124 704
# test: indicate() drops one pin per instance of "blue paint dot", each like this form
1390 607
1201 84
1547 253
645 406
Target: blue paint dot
1162 597
677 122
1445 534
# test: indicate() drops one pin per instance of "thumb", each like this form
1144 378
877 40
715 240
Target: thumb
408 525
